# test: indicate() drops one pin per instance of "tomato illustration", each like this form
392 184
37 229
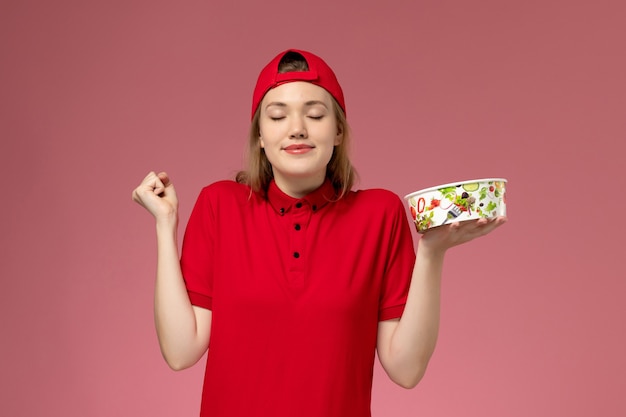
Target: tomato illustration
434 203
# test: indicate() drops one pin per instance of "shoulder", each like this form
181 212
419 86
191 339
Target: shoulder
225 192
384 212
377 204
225 186
377 197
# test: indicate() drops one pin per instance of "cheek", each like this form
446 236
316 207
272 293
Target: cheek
267 133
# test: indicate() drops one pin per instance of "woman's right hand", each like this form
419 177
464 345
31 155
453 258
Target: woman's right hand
157 195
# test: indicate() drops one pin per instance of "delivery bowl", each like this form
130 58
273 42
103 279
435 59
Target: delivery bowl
457 202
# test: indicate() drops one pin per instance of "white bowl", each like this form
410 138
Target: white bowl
457 202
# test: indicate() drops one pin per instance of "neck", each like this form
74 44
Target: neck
299 187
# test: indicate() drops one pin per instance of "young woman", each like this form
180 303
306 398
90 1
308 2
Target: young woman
290 279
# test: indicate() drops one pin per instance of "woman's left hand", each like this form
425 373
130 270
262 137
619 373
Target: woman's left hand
444 237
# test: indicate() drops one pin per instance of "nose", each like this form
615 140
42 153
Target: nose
298 129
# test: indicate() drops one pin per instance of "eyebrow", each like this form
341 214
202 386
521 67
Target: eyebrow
308 103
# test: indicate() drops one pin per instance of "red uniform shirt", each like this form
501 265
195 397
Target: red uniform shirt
296 288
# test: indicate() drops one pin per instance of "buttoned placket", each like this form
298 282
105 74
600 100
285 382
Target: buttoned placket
299 217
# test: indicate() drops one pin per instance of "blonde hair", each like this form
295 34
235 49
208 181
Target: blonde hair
258 170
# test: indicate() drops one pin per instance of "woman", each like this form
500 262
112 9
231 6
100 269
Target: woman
290 279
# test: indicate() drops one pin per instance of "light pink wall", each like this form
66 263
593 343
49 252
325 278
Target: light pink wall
95 94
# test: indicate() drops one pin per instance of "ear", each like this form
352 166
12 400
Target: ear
339 136
261 143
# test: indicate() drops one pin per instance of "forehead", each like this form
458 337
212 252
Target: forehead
297 92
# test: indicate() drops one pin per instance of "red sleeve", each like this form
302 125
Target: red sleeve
400 260
197 252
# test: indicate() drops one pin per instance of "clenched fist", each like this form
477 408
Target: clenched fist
157 195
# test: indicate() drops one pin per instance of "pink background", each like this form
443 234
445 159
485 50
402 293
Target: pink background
96 94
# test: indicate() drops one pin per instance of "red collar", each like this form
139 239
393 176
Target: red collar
317 199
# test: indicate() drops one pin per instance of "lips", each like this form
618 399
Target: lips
297 147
